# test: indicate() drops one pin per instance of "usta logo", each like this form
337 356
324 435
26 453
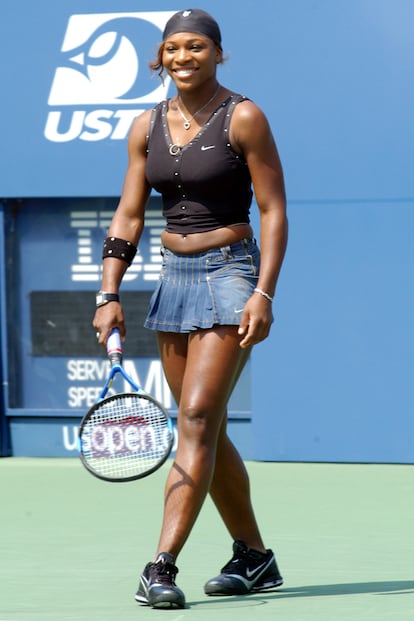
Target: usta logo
103 80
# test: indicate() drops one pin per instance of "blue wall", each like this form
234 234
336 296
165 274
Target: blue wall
334 77
341 357
335 379
333 382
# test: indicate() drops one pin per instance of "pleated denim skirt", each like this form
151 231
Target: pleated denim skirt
205 289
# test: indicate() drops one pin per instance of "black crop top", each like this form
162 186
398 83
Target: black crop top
206 185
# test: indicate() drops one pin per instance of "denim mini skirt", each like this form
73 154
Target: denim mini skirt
204 289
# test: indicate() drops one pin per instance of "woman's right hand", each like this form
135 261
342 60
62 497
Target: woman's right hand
108 317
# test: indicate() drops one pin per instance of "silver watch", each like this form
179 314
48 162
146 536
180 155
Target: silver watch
102 298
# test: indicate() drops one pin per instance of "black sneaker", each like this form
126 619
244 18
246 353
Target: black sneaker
157 586
248 571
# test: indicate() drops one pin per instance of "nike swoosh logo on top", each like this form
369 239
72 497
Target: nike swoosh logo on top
212 146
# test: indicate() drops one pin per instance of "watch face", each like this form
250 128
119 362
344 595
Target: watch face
103 298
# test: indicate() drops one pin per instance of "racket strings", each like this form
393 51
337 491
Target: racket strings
126 436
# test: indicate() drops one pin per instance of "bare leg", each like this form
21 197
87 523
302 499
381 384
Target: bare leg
230 491
230 488
202 370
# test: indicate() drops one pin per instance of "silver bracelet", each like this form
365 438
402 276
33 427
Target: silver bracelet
264 294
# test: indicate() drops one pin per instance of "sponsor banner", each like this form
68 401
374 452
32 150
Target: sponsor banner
75 75
75 101
102 81
58 437
75 384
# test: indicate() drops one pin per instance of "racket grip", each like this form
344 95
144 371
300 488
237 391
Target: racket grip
114 347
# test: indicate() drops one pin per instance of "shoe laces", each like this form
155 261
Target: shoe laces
242 557
163 572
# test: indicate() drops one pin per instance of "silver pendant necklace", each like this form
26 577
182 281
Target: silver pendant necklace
174 149
187 122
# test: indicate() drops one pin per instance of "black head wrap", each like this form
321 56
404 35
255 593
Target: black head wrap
193 20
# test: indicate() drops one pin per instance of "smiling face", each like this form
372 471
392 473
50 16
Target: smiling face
190 59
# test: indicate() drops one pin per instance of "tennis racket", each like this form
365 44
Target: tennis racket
124 436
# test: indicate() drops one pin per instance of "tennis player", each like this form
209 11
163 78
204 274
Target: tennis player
206 150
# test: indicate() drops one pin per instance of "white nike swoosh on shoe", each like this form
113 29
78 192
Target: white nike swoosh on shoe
238 310
204 148
251 573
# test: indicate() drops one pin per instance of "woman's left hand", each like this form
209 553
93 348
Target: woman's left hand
256 321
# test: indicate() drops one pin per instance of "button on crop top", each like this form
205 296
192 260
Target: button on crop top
206 185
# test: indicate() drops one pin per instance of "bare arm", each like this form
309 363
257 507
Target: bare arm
251 134
127 223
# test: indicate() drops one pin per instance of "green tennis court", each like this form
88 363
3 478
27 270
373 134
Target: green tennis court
72 547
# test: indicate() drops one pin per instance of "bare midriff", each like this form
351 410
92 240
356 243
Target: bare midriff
200 242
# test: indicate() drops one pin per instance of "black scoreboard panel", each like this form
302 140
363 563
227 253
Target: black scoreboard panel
61 324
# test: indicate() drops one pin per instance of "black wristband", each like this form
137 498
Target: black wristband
119 249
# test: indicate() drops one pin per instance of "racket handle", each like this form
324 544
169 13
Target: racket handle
114 347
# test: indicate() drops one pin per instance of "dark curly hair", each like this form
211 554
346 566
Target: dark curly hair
156 65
